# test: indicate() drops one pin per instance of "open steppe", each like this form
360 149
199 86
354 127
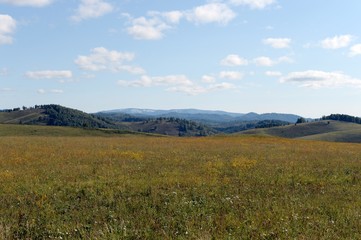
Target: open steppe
149 187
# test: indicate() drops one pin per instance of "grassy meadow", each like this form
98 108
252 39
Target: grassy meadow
147 187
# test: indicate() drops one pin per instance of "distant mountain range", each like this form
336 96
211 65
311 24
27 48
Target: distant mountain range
204 116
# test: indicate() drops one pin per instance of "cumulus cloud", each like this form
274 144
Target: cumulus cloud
91 9
337 42
7 28
211 13
31 3
355 50
233 60
155 24
268 62
278 42
147 28
254 4
48 74
232 75
320 79
104 59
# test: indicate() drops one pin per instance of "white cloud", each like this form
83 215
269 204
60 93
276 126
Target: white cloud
48 74
208 79
264 61
232 75
156 23
41 91
31 3
7 28
337 42
54 91
104 59
211 13
196 90
284 59
278 42
146 81
355 50
320 79
233 60
176 83
148 29
91 9
268 62
273 74
189 90
172 17
221 86
255 4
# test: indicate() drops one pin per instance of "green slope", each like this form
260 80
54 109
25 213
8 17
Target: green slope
23 116
335 131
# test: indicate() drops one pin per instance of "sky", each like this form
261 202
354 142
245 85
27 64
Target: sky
301 57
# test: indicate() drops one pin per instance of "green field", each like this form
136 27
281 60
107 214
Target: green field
137 187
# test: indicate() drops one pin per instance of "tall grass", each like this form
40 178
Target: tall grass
178 188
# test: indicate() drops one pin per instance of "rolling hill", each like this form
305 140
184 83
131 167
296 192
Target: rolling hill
115 122
56 115
326 130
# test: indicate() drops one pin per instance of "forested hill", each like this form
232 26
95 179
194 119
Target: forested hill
343 118
53 115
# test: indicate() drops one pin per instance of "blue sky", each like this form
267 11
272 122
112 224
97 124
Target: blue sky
301 57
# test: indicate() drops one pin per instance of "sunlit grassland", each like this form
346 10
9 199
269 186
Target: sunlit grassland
138 187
